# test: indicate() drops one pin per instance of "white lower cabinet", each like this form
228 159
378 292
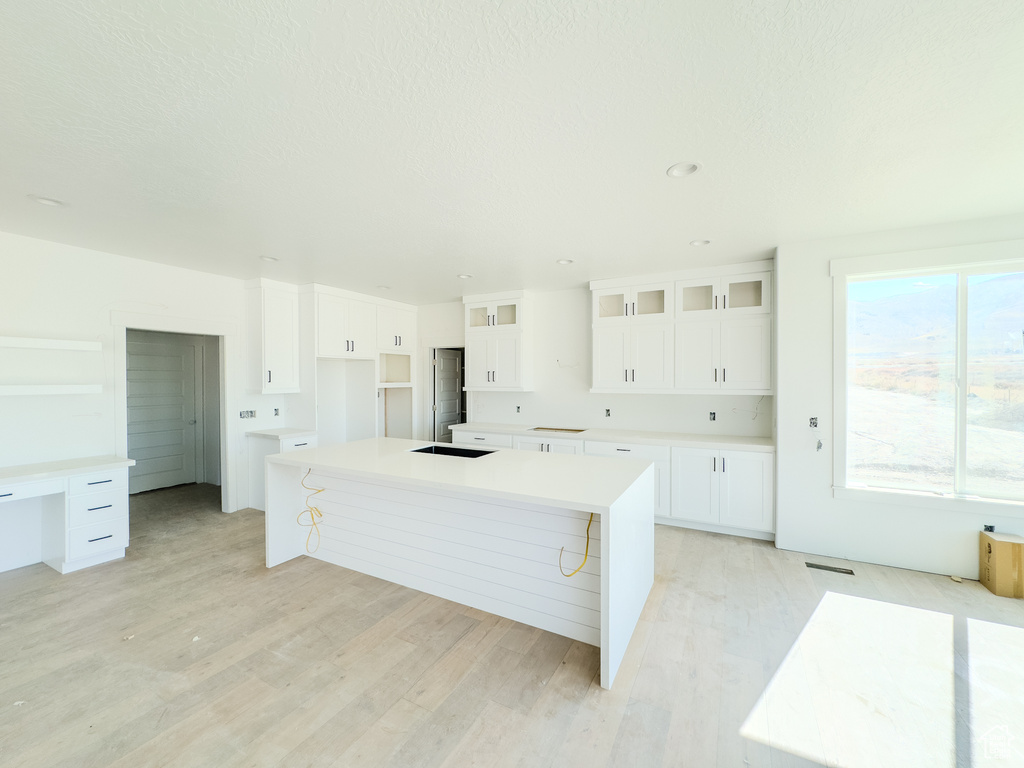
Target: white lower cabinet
548 445
728 488
263 443
657 454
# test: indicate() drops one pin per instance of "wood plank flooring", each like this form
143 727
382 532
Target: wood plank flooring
190 652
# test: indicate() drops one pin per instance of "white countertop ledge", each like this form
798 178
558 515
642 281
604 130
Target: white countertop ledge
585 483
682 439
47 470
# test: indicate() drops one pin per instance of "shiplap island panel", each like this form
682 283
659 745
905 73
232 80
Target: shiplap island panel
485 532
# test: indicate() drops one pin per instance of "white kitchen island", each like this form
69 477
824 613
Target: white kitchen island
485 532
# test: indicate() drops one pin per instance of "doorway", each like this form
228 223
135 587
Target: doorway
449 405
173 409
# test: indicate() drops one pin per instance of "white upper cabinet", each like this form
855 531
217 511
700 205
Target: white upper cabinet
695 331
273 321
346 327
633 304
494 315
396 329
721 295
498 353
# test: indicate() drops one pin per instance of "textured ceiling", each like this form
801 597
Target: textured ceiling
367 143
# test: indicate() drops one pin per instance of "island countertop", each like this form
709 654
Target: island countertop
585 483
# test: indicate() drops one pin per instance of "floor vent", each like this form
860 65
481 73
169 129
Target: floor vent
832 568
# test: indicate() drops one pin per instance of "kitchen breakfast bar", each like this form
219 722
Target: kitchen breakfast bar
487 531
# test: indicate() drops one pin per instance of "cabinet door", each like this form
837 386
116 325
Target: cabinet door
610 306
650 303
568 447
695 487
651 357
505 353
331 330
697 355
746 487
280 341
611 358
746 354
697 298
362 329
747 294
535 444
477 363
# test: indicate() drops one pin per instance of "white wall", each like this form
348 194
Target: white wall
809 519
58 291
562 373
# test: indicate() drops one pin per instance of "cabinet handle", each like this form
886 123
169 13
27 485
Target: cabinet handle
624 450
725 304
716 301
5 495
634 309
399 341
353 346
625 374
268 377
100 482
101 538
723 374
97 509
716 375
714 463
723 464
479 438
634 374
299 445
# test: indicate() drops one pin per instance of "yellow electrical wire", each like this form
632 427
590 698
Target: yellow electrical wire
586 552
314 515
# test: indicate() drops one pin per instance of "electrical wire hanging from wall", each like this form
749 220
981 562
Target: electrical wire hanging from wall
314 515
586 552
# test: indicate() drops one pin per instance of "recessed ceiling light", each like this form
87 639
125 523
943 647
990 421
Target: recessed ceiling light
564 261
46 200
269 258
685 168
699 243
464 277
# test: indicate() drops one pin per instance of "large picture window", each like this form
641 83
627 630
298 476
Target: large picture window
935 383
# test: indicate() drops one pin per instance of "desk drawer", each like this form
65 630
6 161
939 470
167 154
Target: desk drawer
20 491
297 443
98 481
96 507
96 538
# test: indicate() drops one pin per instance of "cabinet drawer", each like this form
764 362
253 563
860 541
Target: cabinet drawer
98 481
628 450
29 490
96 507
481 438
96 538
297 443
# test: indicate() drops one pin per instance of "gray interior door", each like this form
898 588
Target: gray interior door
447 392
162 412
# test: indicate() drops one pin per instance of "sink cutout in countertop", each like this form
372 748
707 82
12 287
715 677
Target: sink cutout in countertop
447 450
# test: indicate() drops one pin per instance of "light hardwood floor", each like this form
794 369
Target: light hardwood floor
190 652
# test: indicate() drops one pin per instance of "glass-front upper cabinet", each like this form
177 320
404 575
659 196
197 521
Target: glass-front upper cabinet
640 303
493 314
732 294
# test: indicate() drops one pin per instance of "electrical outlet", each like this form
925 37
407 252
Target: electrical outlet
607 411
814 422
247 414
517 409
711 416
277 411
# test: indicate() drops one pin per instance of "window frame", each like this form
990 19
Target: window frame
967 260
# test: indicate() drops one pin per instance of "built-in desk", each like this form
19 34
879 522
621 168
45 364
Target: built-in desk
68 514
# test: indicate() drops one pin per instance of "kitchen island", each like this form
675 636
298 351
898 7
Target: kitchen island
485 532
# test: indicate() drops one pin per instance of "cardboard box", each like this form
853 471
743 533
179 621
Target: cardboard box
1002 564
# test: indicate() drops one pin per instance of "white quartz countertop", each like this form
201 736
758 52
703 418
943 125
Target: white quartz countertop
276 434
626 436
28 472
586 483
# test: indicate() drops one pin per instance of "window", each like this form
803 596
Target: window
934 375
